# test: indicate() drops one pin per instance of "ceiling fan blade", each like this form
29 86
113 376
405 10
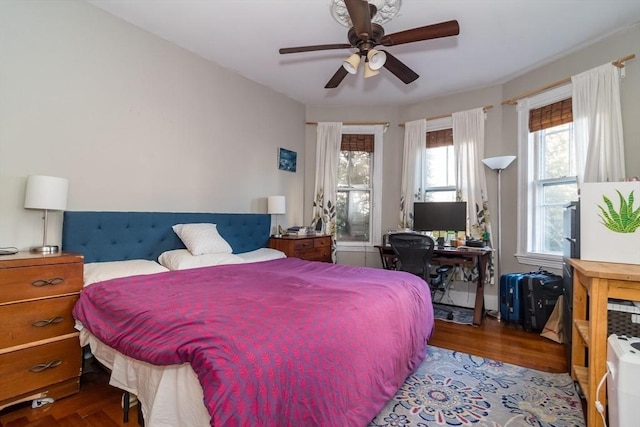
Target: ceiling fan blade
401 71
298 49
337 78
443 29
360 17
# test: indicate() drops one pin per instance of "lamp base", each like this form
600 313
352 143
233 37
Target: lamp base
44 249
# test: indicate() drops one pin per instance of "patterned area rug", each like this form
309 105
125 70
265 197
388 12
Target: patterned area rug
457 389
452 313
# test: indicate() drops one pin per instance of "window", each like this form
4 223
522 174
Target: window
359 186
547 175
440 185
554 186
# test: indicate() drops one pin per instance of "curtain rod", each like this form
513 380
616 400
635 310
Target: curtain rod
385 124
442 116
513 101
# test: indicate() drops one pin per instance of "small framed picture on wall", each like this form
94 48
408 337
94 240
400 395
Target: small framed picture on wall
287 160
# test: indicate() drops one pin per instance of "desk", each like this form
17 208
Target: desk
452 256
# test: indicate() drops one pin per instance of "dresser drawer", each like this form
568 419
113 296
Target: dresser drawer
318 254
40 281
36 320
35 367
322 242
302 245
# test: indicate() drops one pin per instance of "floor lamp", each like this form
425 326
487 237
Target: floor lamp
499 164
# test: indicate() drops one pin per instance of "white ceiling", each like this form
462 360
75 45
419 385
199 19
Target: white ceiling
499 40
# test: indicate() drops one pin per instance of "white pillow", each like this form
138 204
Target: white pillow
99 271
262 254
202 239
182 259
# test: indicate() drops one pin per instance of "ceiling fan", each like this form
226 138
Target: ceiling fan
365 35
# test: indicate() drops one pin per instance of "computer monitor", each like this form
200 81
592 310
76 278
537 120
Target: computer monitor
440 216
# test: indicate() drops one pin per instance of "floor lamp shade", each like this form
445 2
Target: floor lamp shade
500 162
48 193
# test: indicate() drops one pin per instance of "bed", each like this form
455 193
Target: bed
264 341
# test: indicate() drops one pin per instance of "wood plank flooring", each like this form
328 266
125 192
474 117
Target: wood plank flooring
98 404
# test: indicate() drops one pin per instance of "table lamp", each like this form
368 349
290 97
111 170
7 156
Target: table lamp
276 205
46 193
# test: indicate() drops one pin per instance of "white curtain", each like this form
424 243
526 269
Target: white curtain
471 185
329 137
414 162
597 121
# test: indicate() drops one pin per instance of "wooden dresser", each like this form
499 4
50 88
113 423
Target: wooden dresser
310 248
40 353
593 284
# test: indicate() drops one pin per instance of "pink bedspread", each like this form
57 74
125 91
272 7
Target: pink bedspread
277 343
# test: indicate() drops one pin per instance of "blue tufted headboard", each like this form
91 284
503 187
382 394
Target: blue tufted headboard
115 236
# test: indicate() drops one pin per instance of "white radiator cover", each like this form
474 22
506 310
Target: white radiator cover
623 363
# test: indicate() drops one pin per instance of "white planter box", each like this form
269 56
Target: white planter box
597 241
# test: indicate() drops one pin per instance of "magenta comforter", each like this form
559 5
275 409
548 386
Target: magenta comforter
276 343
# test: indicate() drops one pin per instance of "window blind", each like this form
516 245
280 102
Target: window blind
357 142
440 138
551 115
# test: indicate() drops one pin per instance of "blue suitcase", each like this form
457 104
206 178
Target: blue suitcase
511 303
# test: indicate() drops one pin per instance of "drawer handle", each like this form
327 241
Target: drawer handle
44 366
47 322
50 282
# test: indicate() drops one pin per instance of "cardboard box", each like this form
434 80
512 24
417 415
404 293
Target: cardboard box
609 222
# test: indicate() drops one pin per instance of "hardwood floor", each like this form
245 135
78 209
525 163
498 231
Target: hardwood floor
98 404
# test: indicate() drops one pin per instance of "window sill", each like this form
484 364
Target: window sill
355 247
541 260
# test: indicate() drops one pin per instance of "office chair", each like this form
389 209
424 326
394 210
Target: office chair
414 252
440 283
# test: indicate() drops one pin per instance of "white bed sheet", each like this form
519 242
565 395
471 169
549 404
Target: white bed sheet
170 395
262 254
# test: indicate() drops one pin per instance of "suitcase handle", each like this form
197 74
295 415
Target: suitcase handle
542 271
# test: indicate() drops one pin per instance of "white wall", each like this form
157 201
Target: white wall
133 121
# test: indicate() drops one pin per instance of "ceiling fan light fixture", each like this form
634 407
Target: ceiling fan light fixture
376 58
368 71
351 63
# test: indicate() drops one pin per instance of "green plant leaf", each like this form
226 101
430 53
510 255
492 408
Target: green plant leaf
624 220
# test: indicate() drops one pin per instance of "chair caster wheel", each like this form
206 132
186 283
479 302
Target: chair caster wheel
450 316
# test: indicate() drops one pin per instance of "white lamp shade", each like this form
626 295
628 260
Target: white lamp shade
351 63
277 205
376 58
368 71
46 192
499 163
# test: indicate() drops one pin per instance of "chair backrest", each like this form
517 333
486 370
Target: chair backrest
414 252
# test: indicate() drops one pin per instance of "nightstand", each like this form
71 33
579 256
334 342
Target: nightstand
310 248
40 353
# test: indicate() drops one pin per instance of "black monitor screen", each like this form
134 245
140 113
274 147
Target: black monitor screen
440 216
